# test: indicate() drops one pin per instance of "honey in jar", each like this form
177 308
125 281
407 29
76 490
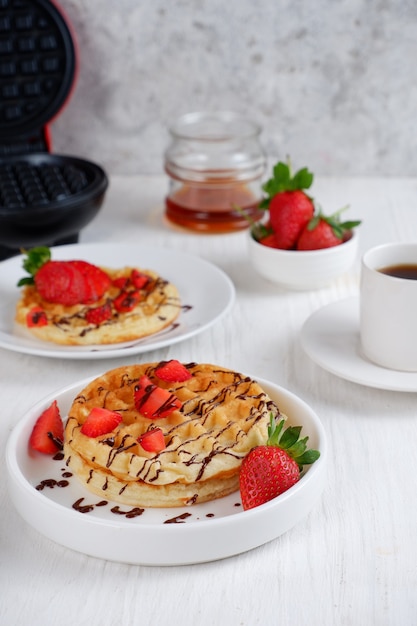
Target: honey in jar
215 163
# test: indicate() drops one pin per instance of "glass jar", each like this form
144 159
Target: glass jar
215 163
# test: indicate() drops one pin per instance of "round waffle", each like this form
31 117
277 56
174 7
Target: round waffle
159 305
224 414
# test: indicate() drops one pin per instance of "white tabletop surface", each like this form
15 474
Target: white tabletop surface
352 561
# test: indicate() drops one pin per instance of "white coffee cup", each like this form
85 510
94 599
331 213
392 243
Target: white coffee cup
388 307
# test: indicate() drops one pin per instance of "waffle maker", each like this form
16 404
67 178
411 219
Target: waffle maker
45 199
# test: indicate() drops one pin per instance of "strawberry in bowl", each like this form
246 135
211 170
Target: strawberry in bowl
296 245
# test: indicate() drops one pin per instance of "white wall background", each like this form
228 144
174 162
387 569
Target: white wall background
332 82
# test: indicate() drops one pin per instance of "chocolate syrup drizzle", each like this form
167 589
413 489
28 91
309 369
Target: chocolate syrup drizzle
178 519
65 322
135 512
81 507
195 409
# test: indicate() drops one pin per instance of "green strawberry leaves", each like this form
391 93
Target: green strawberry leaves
35 258
283 180
289 440
307 458
260 230
339 228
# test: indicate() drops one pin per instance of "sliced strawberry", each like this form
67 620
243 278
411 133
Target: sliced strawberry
100 421
159 403
62 283
126 301
97 281
120 282
36 317
48 432
153 401
99 314
144 382
172 371
139 279
153 440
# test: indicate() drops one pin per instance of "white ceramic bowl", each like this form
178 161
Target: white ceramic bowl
209 531
303 270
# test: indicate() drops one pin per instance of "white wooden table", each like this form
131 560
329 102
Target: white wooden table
352 561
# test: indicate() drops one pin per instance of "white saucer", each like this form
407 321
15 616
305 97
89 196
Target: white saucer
330 337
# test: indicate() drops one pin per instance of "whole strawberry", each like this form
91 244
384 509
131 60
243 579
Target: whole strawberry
269 470
325 232
290 208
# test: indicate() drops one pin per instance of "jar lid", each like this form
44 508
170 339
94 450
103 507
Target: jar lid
220 126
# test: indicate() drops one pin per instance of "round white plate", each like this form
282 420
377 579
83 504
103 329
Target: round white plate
330 337
195 534
206 292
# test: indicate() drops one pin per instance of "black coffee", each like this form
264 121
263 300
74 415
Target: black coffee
405 270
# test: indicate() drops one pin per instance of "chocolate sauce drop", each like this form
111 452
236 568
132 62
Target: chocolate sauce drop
179 519
135 512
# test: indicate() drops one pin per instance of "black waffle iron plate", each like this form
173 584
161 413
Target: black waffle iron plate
45 198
